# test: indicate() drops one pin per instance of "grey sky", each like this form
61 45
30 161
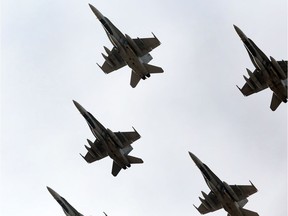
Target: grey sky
48 55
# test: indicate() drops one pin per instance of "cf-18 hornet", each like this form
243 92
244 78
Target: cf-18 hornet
116 145
67 208
230 197
127 51
269 73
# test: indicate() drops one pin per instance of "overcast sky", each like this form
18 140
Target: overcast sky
49 51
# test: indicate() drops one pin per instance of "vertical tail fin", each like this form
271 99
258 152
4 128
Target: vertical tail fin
115 169
134 79
275 102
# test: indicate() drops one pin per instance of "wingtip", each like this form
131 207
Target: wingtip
196 208
101 68
155 37
136 132
240 90
82 156
253 185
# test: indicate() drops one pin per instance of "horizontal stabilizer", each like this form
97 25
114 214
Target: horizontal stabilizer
153 69
249 213
134 160
275 102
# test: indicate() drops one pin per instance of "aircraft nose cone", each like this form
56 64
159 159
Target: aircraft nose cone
52 192
76 103
235 27
195 159
96 12
240 33
78 106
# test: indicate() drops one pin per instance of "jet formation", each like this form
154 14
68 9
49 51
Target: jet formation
269 73
127 51
230 197
116 145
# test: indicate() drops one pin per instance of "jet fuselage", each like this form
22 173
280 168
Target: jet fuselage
129 51
272 75
222 191
110 142
67 208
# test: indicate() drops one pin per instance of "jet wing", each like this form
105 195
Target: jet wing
113 61
147 44
95 152
127 138
244 191
209 205
254 83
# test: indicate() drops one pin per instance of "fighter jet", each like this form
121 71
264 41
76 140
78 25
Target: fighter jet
230 197
116 145
67 208
127 51
269 73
